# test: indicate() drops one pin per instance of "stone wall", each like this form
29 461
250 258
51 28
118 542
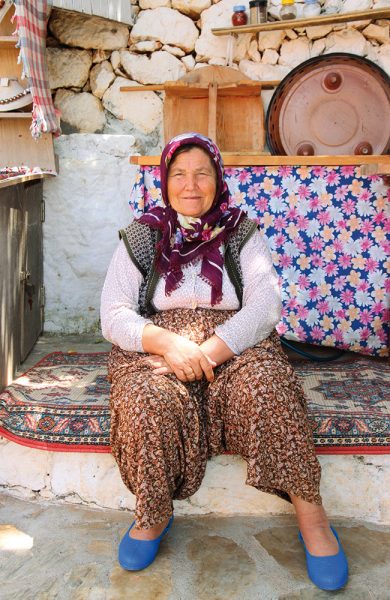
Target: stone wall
89 59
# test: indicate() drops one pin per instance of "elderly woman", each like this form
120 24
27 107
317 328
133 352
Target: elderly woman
190 303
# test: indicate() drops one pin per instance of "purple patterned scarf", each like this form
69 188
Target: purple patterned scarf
186 239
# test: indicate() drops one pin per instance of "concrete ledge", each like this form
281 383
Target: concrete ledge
352 486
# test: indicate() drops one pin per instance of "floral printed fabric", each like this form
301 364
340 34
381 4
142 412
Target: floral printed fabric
191 229
328 232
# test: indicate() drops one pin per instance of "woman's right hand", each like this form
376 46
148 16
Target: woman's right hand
187 360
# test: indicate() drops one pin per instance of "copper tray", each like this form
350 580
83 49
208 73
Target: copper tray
331 104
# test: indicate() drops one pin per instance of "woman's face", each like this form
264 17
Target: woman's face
192 183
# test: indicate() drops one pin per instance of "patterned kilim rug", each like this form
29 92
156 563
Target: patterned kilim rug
62 404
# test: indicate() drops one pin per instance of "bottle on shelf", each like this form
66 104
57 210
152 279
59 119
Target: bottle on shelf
288 10
239 16
257 11
312 8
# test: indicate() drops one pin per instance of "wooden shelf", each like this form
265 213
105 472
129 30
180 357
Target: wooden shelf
374 13
268 160
183 89
23 178
8 41
15 115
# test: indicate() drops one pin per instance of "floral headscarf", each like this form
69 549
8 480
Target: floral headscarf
186 239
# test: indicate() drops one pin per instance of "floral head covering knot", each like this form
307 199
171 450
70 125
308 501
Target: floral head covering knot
185 239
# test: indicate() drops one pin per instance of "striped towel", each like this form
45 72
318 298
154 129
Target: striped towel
31 20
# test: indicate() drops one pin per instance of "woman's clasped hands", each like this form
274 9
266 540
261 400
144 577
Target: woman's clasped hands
185 359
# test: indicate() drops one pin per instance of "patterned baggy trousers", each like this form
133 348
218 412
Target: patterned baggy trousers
163 431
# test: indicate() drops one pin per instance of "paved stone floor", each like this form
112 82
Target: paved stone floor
67 552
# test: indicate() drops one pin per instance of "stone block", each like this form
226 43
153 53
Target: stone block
254 53
101 77
270 57
160 67
189 62
383 57
377 33
82 31
174 50
355 5
294 52
145 46
346 40
68 67
317 32
263 71
23 469
80 112
271 39
191 8
166 26
92 479
127 105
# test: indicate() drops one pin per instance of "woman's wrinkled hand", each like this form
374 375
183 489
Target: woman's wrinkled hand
181 356
158 364
187 361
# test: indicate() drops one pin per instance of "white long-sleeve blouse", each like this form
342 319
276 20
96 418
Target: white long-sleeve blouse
123 325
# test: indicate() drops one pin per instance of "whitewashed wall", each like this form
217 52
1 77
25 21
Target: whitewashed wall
85 206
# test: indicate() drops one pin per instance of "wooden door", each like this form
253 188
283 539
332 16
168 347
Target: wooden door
11 227
21 274
31 280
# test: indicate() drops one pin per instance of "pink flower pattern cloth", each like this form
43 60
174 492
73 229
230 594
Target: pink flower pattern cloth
328 233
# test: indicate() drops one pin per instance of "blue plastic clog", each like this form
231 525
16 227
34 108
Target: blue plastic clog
135 555
327 572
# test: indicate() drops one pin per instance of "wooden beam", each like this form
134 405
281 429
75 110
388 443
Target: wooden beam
373 13
185 88
143 88
380 168
8 41
15 115
267 160
212 121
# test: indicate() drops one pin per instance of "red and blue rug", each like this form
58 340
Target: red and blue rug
61 404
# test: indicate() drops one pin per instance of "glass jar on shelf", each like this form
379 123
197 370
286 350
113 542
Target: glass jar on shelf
239 16
257 11
288 10
312 8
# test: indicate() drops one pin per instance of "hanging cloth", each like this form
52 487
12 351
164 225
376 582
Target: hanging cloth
31 20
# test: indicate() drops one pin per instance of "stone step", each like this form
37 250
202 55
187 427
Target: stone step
352 486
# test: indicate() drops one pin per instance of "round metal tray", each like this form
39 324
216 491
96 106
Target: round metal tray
331 104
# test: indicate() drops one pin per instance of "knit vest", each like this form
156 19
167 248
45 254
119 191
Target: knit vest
141 240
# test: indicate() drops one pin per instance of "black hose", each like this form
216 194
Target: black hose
312 357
